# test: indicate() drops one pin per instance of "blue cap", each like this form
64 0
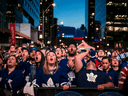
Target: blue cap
33 49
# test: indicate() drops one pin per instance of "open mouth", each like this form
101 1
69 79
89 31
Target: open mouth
36 58
10 62
51 59
71 49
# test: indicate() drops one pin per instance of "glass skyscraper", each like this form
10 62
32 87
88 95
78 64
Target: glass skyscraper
113 16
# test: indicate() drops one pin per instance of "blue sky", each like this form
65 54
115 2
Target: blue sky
71 12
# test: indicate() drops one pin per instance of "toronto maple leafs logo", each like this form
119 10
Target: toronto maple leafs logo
71 75
49 83
9 81
91 77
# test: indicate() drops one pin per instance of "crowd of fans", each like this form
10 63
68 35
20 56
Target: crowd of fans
22 69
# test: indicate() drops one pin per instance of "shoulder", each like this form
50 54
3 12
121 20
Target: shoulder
17 72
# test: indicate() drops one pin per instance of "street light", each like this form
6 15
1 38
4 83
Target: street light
61 22
43 11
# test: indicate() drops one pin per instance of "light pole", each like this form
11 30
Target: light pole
61 22
43 12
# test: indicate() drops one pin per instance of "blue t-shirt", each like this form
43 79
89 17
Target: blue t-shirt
91 78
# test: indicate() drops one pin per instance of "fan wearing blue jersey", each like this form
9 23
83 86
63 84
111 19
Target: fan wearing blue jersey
106 62
11 78
51 75
90 77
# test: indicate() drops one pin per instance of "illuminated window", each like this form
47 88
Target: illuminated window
40 36
117 22
8 12
116 28
19 5
46 18
93 14
110 28
124 28
125 4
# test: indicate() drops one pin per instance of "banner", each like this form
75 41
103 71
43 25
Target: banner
13 33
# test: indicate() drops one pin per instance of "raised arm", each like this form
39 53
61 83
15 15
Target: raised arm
85 45
78 60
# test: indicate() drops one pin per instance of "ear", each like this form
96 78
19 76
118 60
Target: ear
16 63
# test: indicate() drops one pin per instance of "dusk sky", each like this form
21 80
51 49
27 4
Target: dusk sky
71 12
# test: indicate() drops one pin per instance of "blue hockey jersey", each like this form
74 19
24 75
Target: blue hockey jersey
57 79
13 81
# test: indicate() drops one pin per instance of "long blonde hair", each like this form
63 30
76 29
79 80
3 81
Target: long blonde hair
46 69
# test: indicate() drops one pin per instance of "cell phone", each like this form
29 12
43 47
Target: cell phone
83 50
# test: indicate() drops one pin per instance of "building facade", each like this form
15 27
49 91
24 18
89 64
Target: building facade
90 18
113 16
19 12
46 19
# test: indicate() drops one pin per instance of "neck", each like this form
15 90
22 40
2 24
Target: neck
71 57
107 69
100 57
51 66
91 68
59 58
1 67
32 61
116 68
11 69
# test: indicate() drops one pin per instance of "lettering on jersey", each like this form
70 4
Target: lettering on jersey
0 79
71 75
91 77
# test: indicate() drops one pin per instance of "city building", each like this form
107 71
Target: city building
46 19
26 16
90 18
113 15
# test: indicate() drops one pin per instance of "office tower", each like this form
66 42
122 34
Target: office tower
90 18
46 18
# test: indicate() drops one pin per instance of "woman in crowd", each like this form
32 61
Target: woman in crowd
115 65
51 75
39 59
11 78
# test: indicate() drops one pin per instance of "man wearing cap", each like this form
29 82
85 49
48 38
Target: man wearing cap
68 63
89 76
32 54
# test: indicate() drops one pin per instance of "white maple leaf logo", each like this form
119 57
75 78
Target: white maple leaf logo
91 77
